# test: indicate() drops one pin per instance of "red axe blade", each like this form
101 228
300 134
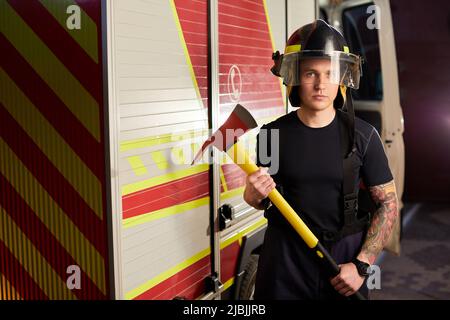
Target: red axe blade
238 123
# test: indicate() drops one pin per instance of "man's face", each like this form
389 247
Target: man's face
316 91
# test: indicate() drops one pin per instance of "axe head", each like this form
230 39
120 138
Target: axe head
238 123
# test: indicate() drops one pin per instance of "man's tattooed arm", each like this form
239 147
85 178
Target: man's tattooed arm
385 197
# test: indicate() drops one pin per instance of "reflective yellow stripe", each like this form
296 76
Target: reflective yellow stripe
222 179
137 186
76 172
86 37
166 274
161 139
166 212
137 165
52 216
228 284
7 291
30 258
346 50
343 90
232 193
185 49
176 209
50 69
293 48
242 233
186 263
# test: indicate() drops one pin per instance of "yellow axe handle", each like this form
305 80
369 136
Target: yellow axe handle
242 159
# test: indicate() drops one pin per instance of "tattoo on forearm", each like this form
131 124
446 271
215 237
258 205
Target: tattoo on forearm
383 220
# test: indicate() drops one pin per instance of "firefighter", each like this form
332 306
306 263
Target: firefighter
323 152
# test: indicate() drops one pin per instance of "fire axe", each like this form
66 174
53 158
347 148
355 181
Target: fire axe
226 139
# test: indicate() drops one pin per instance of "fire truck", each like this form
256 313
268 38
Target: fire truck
102 102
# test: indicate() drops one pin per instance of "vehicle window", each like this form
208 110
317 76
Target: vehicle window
363 41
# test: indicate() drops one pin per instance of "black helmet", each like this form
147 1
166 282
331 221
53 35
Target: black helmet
312 41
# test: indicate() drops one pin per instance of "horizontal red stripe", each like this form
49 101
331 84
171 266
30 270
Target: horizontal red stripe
57 39
43 240
52 108
54 183
229 261
184 287
194 291
166 195
16 274
173 280
190 282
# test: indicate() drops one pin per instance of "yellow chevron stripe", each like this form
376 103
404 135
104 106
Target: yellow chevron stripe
185 49
280 81
86 37
141 185
50 69
51 143
183 265
163 213
7 291
137 165
53 217
29 257
161 139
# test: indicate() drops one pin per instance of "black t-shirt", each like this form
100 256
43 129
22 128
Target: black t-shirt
309 172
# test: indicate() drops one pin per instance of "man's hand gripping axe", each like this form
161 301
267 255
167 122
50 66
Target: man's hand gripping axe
226 139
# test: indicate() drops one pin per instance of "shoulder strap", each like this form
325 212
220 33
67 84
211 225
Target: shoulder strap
348 150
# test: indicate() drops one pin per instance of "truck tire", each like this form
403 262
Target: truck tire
247 289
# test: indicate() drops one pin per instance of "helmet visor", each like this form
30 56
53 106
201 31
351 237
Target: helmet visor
313 67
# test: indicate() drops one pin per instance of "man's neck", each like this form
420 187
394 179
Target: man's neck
316 118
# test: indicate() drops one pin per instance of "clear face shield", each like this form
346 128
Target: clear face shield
312 67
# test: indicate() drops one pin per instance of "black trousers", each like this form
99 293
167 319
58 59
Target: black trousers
289 270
